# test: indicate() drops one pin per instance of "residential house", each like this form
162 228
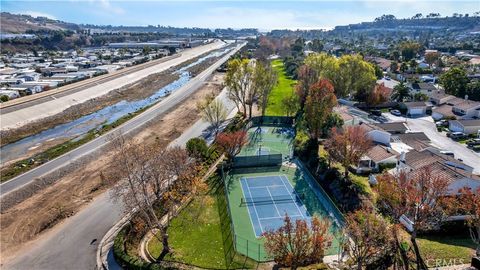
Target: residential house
467 109
440 98
424 88
393 128
30 76
375 157
414 140
465 126
414 108
442 112
376 134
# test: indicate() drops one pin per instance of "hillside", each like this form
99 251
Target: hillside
17 23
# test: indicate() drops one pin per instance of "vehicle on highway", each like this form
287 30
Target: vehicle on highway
456 135
396 112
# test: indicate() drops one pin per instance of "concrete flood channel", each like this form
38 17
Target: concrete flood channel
78 128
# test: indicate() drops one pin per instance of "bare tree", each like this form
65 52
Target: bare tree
214 112
419 196
153 182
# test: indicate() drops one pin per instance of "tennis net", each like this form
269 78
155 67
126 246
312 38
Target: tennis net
257 161
270 199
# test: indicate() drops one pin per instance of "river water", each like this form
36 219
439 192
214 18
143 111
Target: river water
80 127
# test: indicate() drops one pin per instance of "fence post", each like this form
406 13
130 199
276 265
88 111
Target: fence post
258 252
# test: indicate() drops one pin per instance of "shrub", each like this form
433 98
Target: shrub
197 147
386 166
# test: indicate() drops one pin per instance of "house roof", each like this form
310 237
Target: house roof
445 110
393 127
343 112
449 173
423 86
416 140
468 123
455 101
379 153
441 95
414 104
467 105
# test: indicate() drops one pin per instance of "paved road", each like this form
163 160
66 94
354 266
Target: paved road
127 127
439 140
69 245
57 104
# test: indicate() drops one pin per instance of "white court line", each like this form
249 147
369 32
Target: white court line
267 186
278 212
255 208
248 209
277 217
293 190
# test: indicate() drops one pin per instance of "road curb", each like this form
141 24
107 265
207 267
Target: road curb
107 242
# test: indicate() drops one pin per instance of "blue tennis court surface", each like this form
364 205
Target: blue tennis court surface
268 199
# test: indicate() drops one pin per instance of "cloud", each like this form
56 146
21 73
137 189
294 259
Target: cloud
37 14
107 6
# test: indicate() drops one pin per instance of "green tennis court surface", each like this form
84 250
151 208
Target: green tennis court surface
250 220
265 140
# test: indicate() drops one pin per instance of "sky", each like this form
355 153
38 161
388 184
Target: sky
264 15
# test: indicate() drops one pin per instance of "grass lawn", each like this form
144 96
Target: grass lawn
283 89
447 248
196 238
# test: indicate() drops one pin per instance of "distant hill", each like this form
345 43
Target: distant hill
19 23
415 24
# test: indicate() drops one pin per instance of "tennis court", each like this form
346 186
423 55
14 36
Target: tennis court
266 140
258 198
268 199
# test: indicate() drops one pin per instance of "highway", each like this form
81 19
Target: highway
73 243
158 109
53 104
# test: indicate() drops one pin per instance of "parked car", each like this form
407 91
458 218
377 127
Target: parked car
442 123
396 112
473 142
382 119
457 135
447 153
376 112
387 78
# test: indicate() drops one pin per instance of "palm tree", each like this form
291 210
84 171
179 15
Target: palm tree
400 92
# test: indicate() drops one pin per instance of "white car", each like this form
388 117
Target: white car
396 112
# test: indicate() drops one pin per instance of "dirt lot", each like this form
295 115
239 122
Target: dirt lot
26 220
